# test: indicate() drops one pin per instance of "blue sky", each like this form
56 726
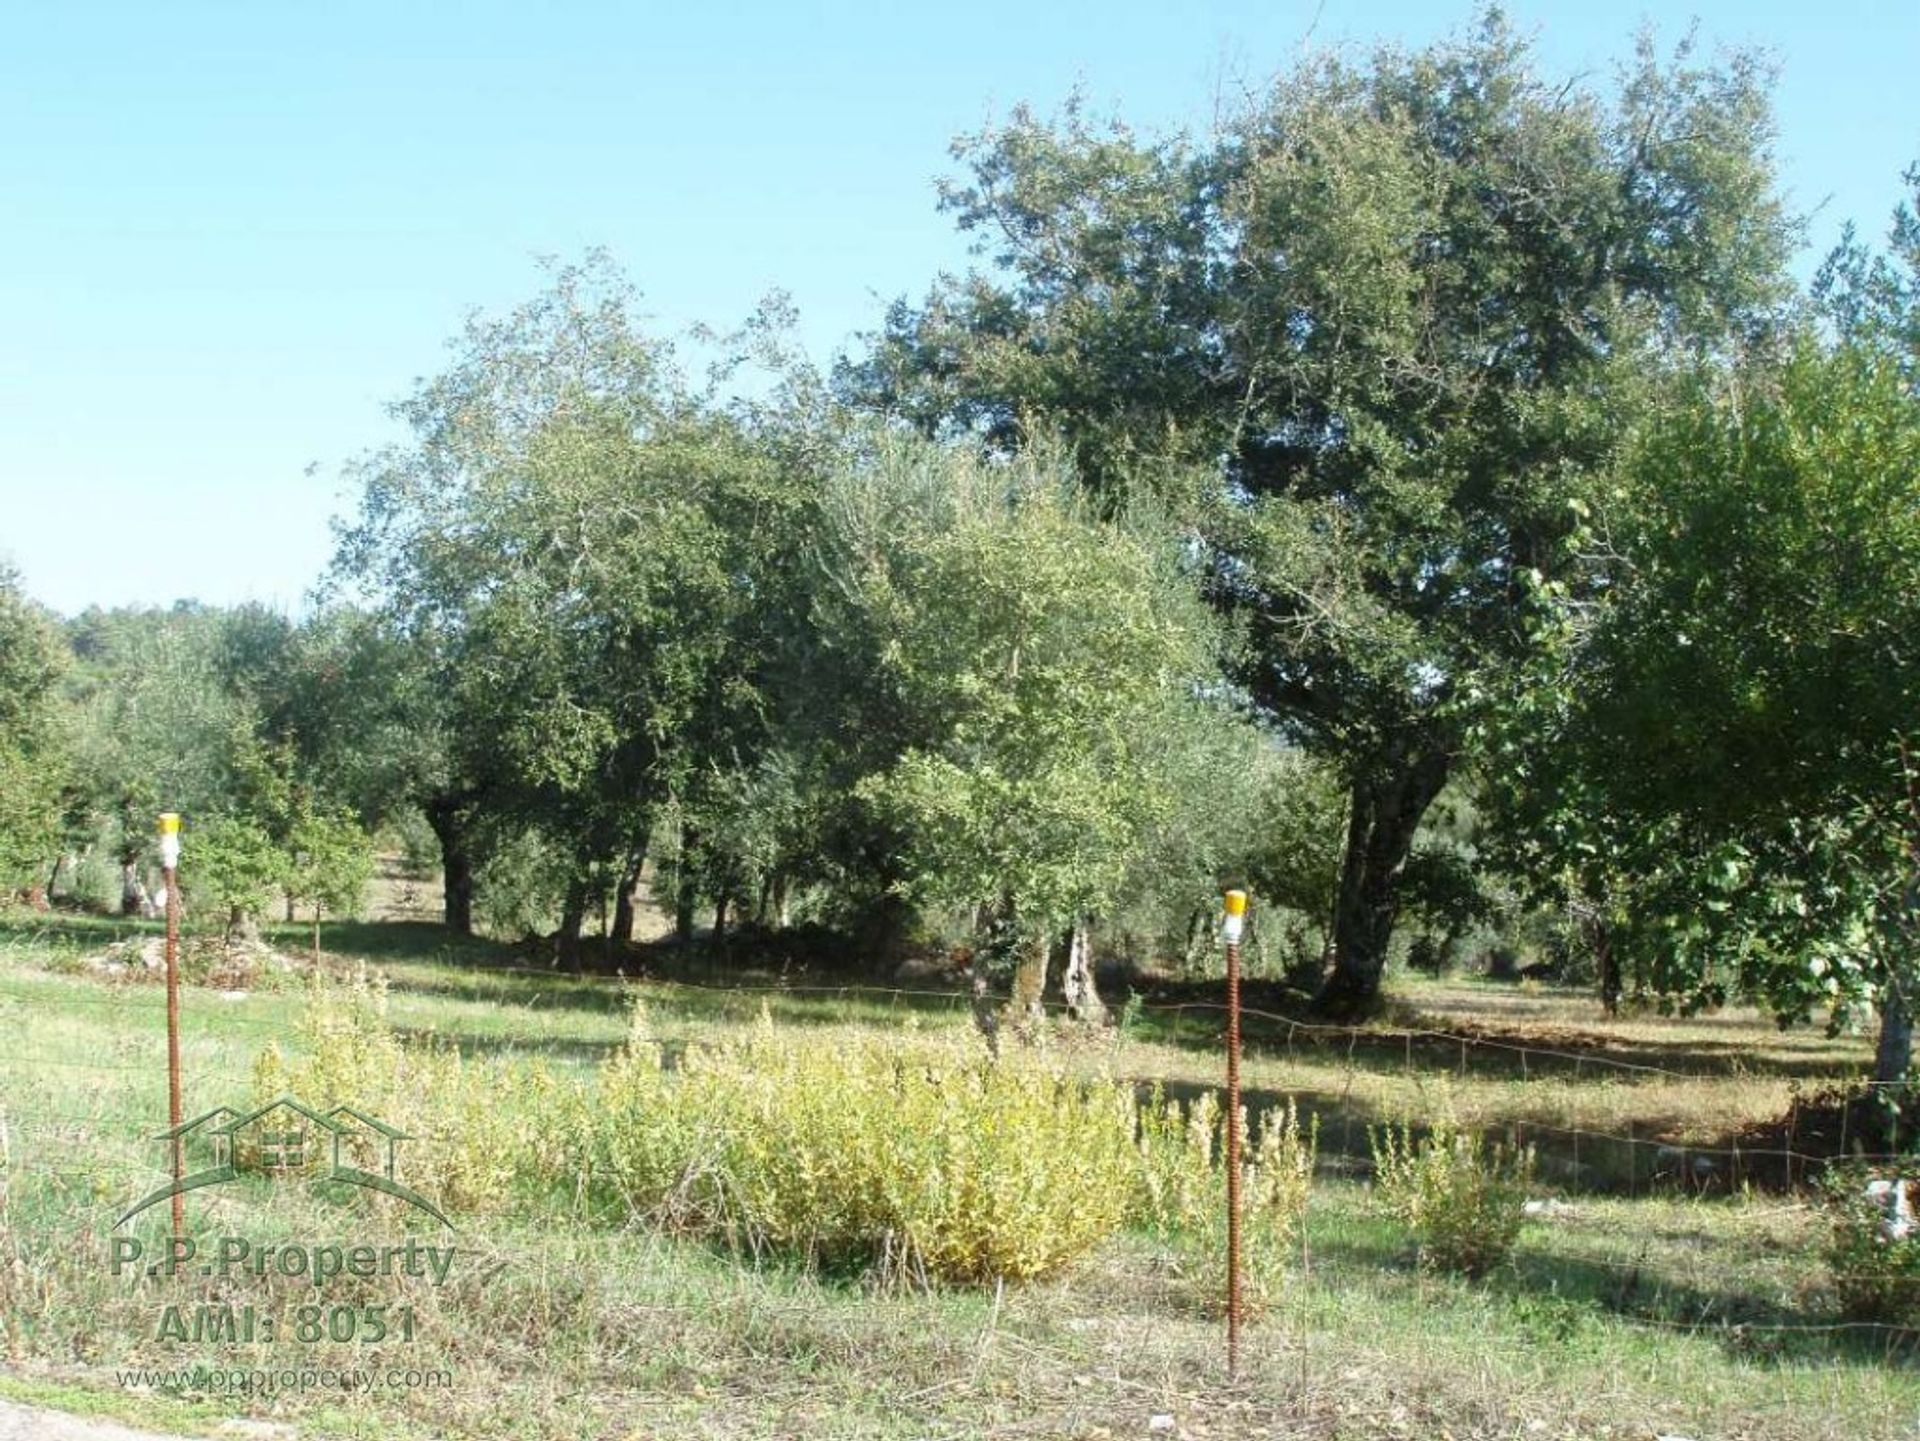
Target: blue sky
234 231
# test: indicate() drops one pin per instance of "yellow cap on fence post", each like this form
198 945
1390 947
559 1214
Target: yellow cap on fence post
170 839
1236 916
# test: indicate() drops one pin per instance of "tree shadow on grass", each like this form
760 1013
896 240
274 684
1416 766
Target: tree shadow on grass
1556 1297
1569 1160
475 1045
1746 1325
1276 1021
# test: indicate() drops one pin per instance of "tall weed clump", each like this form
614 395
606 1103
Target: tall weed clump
914 1156
1463 1197
1181 1195
467 1151
899 1154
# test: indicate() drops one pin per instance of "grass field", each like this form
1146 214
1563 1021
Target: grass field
1635 1306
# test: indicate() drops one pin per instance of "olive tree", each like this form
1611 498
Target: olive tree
1029 654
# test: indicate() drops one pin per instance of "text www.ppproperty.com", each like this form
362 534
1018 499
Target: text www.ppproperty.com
268 1380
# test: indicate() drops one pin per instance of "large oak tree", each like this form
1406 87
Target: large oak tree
1397 312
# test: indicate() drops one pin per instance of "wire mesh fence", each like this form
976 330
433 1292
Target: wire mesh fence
64 1136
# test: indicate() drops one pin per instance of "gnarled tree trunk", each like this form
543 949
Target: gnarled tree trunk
1077 984
1386 811
622 932
1611 984
449 822
134 900
686 894
1030 977
1893 1057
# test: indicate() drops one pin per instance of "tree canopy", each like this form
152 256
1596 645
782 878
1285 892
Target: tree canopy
1399 311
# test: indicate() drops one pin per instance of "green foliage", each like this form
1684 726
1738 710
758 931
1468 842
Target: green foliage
581 560
1461 1196
1873 297
158 723
32 756
413 838
1875 1276
29 815
520 886
1035 660
1735 751
230 869
1414 301
329 861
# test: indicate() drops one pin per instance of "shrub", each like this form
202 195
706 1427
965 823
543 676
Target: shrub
1462 1197
902 1153
520 885
1181 1195
235 870
329 862
1876 1273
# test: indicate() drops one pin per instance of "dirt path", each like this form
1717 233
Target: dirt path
30 1423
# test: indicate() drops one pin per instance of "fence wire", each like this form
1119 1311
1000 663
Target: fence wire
45 1124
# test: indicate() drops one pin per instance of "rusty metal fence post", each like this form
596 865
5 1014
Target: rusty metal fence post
169 874
1235 923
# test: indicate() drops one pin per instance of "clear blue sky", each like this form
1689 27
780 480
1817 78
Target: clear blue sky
233 231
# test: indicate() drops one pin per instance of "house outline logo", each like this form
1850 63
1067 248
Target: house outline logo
279 1133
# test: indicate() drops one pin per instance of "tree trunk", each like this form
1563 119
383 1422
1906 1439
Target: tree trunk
686 894
781 908
1083 999
622 933
449 824
1030 978
720 908
1893 1057
684 901
1386 811
883 931
986 1015
243 927
134 900
573 915
1199 937
1609 963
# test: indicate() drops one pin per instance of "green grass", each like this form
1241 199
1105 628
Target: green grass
1635 1310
